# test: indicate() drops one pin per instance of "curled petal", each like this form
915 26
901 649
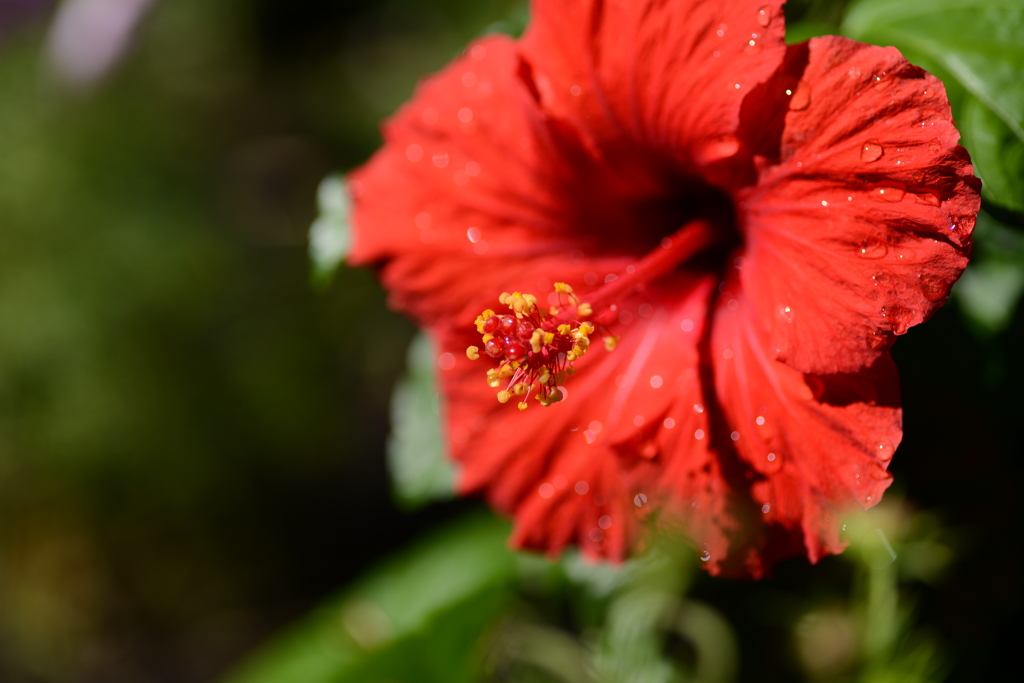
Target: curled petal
863 225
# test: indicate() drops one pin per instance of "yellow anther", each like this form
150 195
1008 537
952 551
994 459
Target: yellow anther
558 337
611 342
482 318
522 304
535 340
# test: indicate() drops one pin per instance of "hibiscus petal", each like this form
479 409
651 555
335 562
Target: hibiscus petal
817 445
864 224
478 190
661 74
580 465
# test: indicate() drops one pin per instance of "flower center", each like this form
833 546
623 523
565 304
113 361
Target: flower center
536 348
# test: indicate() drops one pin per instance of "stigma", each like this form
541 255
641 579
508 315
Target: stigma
535 348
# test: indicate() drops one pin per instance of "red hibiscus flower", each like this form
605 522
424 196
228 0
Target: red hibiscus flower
754 223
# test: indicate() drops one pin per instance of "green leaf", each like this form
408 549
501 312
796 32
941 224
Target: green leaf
330 235
979 42
420 469
417 619
997 153
979 46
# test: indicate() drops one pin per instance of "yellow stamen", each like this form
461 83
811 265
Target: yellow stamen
535 341
558 338
611 342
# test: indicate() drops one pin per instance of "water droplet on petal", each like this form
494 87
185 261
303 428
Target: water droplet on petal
764 15
844 527
876 340
771 457
872 248
870 151
719 148
786 313
932 286
766 507
888 193
705 554
801 99
884 449
898 317
928 117
639 500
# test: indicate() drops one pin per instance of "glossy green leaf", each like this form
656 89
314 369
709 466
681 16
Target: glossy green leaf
417 459
997 153
417 619
976 46
330 235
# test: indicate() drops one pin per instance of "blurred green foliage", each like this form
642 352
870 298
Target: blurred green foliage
461 607
192 438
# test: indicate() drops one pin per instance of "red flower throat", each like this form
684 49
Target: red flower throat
536 348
